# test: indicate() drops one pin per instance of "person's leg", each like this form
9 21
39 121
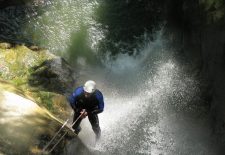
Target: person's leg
76 126
93 119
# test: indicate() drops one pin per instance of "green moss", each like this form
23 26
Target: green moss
18 81
17 63
214 9
45 99
16 67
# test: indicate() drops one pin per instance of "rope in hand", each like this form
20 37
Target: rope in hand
48 144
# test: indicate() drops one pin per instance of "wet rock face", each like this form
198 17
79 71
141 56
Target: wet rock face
7 3
12 19
44 76
213 56
53 75
38 68
14 16
5 45
26 128
201 34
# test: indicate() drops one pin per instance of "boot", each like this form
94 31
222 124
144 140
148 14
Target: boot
77 130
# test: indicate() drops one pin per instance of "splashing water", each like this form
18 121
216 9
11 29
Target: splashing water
156 114
127 115
53 25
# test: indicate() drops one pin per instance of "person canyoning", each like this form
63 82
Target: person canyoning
87 101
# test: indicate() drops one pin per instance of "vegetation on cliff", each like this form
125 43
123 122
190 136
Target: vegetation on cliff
18 65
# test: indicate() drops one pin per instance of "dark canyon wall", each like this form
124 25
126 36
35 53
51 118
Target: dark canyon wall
199 30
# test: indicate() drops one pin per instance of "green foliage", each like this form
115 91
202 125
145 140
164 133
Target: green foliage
80 47
212 3
45 99
214 9
17 65
126 21
19 81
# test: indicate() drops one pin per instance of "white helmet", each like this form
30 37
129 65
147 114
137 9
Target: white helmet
90 86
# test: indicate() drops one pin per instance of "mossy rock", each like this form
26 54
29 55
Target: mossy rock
32 126
5 45
40 74
16 62
26 128
214 9
53 75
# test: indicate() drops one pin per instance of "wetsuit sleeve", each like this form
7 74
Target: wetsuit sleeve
100 99
73 97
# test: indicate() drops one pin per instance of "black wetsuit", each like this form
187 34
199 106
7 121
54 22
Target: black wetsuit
93 105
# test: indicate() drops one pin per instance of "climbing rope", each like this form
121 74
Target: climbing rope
57 133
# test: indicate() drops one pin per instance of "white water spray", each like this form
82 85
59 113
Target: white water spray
137 122
54 25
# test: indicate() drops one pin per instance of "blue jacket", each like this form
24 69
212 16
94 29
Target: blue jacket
94 103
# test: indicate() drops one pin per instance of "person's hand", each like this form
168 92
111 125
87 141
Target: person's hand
83 113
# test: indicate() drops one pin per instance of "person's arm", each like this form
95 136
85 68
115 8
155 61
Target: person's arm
72 100
73 97
100 99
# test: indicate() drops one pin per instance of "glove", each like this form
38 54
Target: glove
83 113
